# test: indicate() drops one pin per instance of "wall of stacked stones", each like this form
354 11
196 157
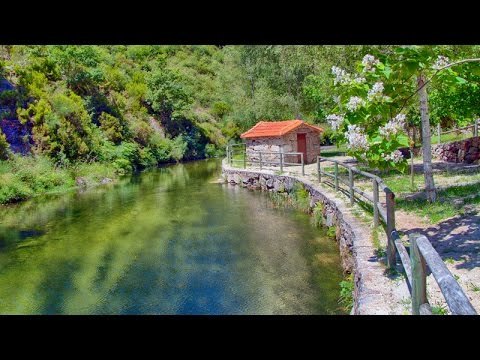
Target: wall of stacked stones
331 215
463 151
289 144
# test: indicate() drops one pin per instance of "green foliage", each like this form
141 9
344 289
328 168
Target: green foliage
112 128
22 177
220 109
137 106
178 148
396 74
439 310
31 175
4 146
211 151
347 287
474 287
317 214
332 232
165 92
300 197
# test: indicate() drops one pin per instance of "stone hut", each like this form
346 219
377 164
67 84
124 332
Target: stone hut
283 136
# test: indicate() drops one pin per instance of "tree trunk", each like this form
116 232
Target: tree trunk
426 141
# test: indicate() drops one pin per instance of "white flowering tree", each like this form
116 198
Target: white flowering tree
363 116
372 105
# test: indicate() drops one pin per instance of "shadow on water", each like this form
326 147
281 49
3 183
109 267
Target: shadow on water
167 241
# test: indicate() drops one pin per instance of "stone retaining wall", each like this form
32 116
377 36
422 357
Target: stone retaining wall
278 183
372 293
463 151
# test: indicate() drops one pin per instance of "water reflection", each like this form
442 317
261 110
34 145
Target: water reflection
164 242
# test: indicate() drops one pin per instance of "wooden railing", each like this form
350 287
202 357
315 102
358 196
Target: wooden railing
473 126
262 158
421 253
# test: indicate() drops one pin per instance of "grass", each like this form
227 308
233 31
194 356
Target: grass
23 177
337 151
380 250
449 261
439 309
453 136
298 198
346 293
444 207
474 287
317 214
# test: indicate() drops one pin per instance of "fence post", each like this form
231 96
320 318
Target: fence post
412 175
391 252
231 155
281 160
439 130
350 178
318 170
375 202
228 154
260 157
336 176
303 164
419 276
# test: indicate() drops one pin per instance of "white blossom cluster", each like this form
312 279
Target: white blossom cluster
375 93
393 126
335 121
441 62
359 79
369 62
354 103
357 140
341 76
395 156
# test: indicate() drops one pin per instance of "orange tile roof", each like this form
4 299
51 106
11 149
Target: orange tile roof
275 128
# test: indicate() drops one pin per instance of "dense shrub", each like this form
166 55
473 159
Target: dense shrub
111 127
4 146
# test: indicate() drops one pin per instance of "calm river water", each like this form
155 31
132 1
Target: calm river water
167 241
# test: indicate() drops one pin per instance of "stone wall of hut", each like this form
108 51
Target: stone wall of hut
286 143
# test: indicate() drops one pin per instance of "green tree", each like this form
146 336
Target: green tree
165 93
4 147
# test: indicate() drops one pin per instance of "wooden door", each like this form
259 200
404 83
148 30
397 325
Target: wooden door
302 146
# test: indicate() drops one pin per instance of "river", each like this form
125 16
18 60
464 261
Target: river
166 241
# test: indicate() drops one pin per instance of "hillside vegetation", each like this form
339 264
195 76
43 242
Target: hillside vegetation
127 108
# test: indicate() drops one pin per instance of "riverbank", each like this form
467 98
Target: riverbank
24 177
375 292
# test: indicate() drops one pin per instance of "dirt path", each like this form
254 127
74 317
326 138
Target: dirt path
457 241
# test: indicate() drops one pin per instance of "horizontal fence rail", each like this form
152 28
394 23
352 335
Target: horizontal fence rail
473 126
263 160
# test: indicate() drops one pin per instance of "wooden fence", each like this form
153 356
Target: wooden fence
421 252
473 126
263 159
